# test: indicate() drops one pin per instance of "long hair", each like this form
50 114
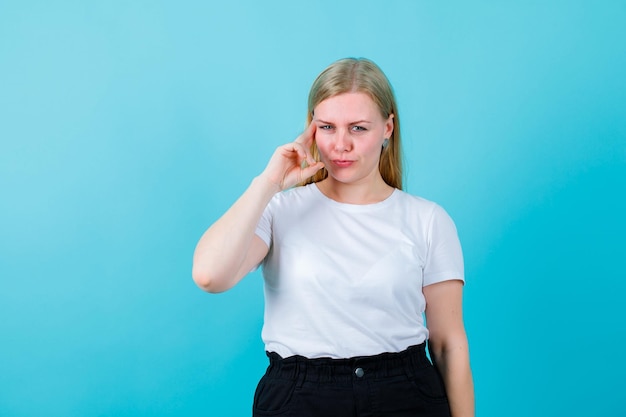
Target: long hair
352 75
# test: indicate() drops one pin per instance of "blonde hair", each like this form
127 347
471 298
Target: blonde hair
363 76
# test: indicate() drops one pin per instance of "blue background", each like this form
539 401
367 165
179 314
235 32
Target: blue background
128 127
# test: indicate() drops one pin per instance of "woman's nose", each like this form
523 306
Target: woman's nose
342 142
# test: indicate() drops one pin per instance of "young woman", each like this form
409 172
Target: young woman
351 262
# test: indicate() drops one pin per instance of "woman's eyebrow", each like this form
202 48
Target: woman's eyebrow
351 123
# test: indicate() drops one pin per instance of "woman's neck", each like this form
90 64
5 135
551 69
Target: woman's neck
369 192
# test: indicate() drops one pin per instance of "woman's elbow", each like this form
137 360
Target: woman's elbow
205 281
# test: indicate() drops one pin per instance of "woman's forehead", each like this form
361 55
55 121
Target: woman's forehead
346 107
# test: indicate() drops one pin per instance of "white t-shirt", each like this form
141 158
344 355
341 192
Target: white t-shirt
345 280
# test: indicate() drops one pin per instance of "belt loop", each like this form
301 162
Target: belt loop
409 365
301 370
414 358
274 361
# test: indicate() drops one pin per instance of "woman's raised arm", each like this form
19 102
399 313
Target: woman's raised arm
229 249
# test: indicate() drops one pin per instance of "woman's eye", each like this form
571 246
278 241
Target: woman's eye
358 128
326 127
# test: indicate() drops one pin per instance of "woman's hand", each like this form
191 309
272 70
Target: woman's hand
293 163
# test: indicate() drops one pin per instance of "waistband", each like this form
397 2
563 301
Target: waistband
361 367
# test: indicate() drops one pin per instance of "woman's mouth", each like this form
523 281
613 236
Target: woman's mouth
342 163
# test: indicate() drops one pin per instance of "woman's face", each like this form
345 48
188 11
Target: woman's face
350 131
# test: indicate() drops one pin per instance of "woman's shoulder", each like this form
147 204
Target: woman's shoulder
426 216
415 201
294 195
421 206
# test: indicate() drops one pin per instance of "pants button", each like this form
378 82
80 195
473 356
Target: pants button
359 372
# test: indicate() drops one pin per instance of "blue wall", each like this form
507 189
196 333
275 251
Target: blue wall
126 128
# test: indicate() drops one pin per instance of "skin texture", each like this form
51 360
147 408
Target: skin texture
348 130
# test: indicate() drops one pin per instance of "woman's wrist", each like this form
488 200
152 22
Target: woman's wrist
267 184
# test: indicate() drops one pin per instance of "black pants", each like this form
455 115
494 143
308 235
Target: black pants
389 384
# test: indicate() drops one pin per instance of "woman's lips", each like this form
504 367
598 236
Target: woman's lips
342 163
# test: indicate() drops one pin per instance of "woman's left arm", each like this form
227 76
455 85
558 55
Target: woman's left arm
448 344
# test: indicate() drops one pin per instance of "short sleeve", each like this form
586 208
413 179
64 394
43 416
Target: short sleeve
264 227
444 260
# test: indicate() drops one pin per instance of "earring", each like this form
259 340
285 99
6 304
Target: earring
385 143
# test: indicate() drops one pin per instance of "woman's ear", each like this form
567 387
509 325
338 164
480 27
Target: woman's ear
389 126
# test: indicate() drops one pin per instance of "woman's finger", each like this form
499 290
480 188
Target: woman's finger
310 170
303 153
